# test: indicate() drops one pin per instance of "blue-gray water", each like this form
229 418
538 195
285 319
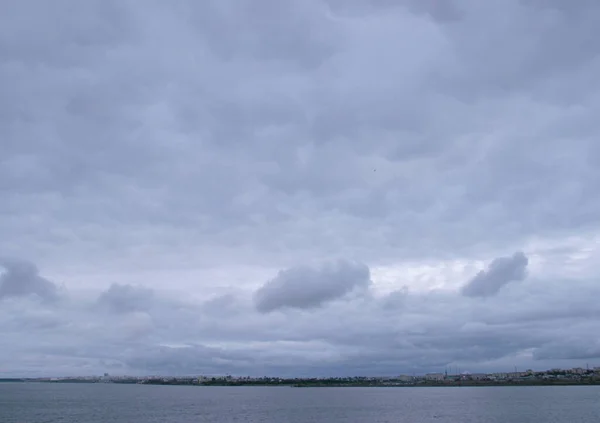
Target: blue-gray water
101 403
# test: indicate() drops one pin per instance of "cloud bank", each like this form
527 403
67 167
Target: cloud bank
318 329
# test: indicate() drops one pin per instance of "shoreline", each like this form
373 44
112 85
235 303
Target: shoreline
317 385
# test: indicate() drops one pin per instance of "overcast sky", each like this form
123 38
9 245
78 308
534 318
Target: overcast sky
299 187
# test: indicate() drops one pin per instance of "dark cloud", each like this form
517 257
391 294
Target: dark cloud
306 287
395 300
574 347
20 278
126 298
499 273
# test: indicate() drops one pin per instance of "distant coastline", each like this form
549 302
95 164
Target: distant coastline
320 384
454 384
554 377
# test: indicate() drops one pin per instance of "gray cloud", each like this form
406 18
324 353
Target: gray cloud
307 287
21 278
126 298
188 152
499 273
93 167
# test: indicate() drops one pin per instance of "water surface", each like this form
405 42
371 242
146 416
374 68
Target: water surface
100 403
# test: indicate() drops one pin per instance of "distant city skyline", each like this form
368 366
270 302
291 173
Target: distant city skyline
575 376
446 371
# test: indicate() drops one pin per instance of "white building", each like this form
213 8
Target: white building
516 375
434 376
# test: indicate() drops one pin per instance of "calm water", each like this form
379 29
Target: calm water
100 403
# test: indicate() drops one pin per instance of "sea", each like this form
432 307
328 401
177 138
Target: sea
102 403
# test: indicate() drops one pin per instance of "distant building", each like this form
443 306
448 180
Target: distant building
434 376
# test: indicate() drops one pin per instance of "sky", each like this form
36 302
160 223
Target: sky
298 188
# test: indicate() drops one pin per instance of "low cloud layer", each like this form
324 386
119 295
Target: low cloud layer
499 273
306 287
538 324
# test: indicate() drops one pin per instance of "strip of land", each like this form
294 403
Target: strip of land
576 376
